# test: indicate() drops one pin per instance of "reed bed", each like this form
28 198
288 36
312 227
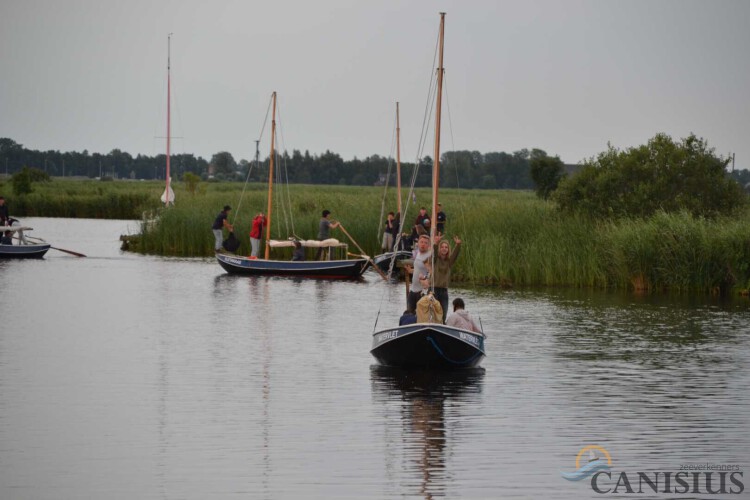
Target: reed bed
510 238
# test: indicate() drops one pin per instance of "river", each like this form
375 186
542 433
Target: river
129 376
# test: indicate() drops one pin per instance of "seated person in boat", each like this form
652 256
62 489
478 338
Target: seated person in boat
461 317
408 318
7 238
299 251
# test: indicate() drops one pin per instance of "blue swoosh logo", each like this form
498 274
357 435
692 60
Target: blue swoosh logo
587 470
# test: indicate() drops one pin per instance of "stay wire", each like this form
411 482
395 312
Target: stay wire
249 170
426 120
387 182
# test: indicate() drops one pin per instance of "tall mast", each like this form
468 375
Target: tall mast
398 160
270 177
436 159
169 118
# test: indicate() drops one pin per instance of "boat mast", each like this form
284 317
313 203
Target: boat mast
270 177
169 118
398 161
436 160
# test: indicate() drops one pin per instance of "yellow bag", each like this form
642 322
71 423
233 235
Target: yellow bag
429 310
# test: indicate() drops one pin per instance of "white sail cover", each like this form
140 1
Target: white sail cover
171 196
330 242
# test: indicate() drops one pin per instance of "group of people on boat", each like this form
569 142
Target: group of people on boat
422 225
433 260
221 223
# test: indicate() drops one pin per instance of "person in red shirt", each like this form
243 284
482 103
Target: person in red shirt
256 233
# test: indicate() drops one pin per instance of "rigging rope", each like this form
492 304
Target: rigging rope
247 179
426 120
379 235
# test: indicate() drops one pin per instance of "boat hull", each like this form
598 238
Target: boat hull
23 251
383 261
428 346
333 269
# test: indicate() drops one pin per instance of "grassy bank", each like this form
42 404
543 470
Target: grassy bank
511 238
85 199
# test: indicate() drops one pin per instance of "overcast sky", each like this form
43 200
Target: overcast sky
563 76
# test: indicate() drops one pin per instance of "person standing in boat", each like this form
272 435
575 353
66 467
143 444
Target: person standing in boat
219 225
461 317
256 233
420 272
441 276
4 217
324 230
421 217
440 218
390 232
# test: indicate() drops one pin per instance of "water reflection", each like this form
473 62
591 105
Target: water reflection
428 405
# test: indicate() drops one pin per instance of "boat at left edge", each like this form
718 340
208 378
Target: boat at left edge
24 249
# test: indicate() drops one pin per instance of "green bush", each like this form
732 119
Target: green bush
661 176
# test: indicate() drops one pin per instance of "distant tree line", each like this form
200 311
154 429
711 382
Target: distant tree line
464 169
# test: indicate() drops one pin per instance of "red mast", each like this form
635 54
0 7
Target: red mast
167 199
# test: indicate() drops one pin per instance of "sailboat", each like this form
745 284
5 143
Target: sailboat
168 196
430 345
386 260
334 269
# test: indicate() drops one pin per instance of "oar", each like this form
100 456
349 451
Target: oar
71 252
363 252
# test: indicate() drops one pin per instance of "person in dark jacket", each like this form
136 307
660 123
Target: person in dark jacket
299 251
220 223
4 217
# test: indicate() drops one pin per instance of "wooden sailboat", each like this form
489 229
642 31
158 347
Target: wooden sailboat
430 345
387 260
335 269
168 196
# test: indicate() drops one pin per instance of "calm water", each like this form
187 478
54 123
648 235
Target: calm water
124 376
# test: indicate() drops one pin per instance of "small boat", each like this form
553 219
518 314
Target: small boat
24 249
342 268
432 346
383 261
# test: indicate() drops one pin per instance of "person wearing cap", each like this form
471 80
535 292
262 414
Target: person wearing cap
220 223
324 230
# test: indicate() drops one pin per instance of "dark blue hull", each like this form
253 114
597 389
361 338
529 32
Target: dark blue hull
383 261
23 251
428 346
332 269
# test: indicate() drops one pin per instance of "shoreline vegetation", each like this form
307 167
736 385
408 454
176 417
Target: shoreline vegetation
511 238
